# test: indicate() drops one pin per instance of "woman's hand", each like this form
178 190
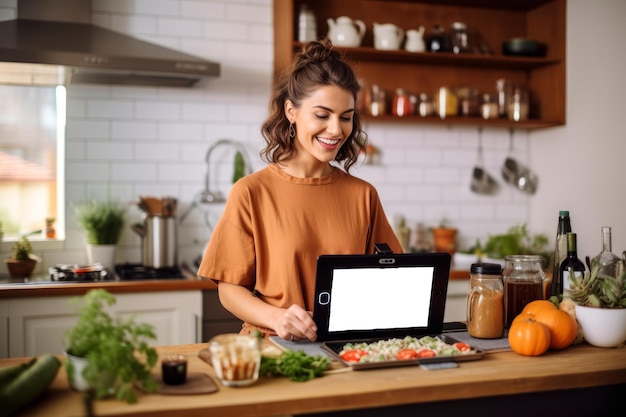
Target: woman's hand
295 323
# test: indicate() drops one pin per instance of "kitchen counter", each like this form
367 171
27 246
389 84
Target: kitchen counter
41 288
44 287
580 380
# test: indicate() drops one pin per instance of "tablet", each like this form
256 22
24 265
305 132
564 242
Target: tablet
380 296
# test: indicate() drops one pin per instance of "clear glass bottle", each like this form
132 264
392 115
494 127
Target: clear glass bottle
485 301
523 280
607 258
564 227
571 261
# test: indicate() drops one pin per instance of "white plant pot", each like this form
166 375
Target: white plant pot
603 327
76 379
103 254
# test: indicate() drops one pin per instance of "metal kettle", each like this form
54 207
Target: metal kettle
159 233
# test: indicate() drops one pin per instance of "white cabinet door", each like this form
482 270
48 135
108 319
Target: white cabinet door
456 301
37 325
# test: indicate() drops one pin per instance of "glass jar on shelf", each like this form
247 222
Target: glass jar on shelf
489 107
518 104
402 105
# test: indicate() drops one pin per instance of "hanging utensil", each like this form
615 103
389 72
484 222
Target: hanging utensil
510 168
482 182
516 174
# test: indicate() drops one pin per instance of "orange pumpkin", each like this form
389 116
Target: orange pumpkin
562 327
528 337
532 308
537 305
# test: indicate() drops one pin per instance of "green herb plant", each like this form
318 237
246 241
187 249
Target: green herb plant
22 250
113 347
517 241
102 221
296 365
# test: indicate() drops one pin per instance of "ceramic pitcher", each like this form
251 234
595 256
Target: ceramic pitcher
346 32
387 36
415 40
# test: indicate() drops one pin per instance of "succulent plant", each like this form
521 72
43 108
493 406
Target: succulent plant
597 289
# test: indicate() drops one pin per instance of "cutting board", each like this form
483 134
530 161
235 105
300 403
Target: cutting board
197 383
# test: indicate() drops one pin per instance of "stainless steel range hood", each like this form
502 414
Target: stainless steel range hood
53 41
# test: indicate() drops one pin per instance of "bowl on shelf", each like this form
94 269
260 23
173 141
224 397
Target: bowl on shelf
523 47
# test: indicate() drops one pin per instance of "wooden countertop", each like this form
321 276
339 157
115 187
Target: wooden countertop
495 375
48 288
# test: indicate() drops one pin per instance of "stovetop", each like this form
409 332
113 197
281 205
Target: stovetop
138 272
123 272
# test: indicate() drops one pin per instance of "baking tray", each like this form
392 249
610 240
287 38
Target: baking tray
335 347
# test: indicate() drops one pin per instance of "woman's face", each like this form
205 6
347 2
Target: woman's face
323 122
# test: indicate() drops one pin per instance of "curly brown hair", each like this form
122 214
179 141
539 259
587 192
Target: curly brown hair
315 65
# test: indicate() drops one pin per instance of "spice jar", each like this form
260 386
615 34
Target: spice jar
485 302
402 105
523 279
489 107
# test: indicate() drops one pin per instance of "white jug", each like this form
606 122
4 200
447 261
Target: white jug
346 32
415 40
387 36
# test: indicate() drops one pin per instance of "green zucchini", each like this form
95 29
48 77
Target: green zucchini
29 384
9 373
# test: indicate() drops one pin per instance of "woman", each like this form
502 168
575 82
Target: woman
278 220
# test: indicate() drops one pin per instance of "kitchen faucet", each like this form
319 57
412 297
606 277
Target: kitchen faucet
208 196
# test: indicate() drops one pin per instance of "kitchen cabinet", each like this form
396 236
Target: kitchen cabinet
36 325
425 72
215 318
456 300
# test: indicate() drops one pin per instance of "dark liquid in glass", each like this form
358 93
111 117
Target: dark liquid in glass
174 371
518 293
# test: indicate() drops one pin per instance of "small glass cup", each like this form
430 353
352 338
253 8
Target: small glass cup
236 359
174 369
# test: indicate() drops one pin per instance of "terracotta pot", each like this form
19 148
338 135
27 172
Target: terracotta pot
20 268
445 240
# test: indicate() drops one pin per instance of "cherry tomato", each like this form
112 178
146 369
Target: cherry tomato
463 347
426 353
406 354
353 355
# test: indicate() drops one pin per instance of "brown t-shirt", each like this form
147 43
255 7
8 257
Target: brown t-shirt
274 227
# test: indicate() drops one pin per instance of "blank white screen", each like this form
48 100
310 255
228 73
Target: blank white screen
380 298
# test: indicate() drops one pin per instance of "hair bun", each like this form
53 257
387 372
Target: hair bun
315 52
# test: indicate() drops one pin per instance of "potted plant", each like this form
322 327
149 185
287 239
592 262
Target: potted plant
106 355
600 305
103 223
444 237
22 263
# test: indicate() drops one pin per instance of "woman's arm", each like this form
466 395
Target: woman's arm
294 321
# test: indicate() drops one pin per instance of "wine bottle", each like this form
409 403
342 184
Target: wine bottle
606 258
560 252
571 262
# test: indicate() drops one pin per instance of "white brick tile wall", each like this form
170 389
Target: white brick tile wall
131 141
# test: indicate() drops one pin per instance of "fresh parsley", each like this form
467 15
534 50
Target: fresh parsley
296 365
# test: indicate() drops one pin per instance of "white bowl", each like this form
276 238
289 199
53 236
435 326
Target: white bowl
603 327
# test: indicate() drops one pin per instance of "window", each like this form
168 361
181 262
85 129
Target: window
32 143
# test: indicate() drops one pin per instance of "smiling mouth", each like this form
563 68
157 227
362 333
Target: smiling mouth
328 142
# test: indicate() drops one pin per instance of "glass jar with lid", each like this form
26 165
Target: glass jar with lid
523 280
485 301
